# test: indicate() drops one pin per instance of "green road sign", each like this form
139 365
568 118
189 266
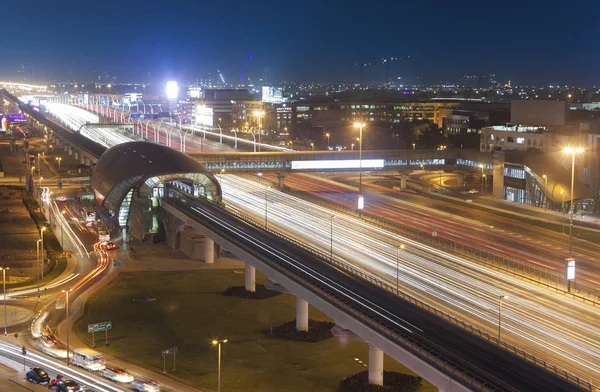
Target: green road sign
105 326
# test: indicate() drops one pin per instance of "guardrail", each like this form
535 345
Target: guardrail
370 277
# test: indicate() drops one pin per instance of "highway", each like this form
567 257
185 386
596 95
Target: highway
413 323
558 329
461 224
552 327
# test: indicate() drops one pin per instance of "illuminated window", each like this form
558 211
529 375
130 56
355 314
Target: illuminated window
520 140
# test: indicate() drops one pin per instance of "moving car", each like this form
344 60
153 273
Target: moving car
88 359
62 385
473 191
146 386
116 373
111 246
37 376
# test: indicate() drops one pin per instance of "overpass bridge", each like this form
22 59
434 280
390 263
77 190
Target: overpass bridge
434 347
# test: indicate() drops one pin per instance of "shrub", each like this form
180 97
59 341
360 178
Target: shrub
392 382
317 331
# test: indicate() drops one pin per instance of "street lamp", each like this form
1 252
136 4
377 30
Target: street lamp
352 146
481 166
312 146
500 298
218 343
59 159
42 239
62 231
267 205
572 151
562 209
360 127
32 169
545 177
414 146
398 249
37 247
4 287
67 309
327 136
259 114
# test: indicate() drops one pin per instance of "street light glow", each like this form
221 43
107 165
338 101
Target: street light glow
571 150
358 124
172 89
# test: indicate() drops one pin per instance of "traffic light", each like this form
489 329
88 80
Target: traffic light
24 351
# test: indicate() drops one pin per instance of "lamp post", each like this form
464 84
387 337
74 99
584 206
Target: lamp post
562 209
42 239
360 127
352 146
67 310
312 146
331 249
267 205
545 177
481 166
4 288
398 249
59 159
62 231
218 343
572 151
37 247
40 189
32 169
500 298
327 136
39 166
259 114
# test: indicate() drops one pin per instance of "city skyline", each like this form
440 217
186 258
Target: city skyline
315 42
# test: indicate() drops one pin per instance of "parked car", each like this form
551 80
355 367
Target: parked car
116 373
473 191
146 386
37 376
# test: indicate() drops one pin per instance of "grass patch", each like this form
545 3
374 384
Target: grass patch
317 331
261 292
190 310
56 266
392 382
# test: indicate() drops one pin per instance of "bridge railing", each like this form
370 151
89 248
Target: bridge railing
380 282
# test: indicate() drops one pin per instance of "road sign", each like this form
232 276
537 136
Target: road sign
169 351
105 326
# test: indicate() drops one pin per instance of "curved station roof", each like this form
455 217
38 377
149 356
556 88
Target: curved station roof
128 165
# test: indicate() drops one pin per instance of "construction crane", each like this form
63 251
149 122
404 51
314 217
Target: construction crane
384 61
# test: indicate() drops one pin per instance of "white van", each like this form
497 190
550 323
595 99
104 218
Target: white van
88 359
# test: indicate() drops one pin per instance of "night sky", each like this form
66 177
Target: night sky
530 42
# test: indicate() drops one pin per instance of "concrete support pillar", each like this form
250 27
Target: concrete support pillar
461 179
250 278
301 314
498 180
403 181
209 250
280 180
124 234
375 365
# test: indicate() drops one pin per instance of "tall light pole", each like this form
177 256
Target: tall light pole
500 298
267 205
481 166
62 231
360 127
352 146
43 229
59 159
572 151
545 177
41 270
398 249
562 209
331 249
259 114
327 136
4 288
67 309
218 343
312 146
